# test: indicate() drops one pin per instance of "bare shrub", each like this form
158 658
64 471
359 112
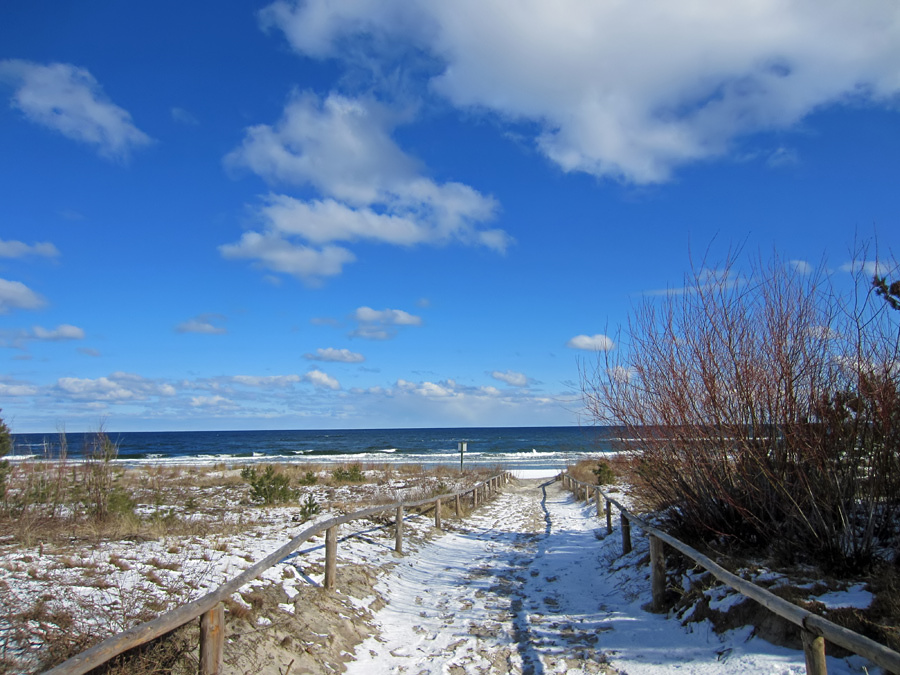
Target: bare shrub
763 410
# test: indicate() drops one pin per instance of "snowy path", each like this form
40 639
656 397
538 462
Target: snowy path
530 584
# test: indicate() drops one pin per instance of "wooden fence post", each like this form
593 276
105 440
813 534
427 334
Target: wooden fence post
474 498
458 506
657 574
608 517
330 556
398 531
212 640
437 514
626 534
814 651
598 502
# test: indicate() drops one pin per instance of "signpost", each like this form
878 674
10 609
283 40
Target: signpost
462 448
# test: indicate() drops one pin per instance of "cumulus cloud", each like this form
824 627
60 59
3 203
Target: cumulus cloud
116 388
336 356
12 388
322 380
381 324
69 100
595 343
511 378
205 323
272 251
62 332
16 295
371 190
619 90
18 249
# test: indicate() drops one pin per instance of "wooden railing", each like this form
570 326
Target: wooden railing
814 629
210 607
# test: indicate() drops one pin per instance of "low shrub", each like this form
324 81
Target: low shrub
309 508
268 486
349 474
309 478
605 474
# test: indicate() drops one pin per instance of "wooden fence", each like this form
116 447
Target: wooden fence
814 629
210 608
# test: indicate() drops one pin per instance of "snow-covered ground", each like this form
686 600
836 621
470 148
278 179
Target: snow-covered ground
527 583
532 584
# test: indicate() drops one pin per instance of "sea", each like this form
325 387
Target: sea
511 447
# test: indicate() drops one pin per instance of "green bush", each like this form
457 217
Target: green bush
349 474
120 502
309 478
268 486
604 473
309 508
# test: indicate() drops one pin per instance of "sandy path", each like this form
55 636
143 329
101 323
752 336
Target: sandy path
492 595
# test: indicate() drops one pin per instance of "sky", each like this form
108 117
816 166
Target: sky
406 213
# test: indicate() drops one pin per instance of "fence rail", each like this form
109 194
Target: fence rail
210 610
814 629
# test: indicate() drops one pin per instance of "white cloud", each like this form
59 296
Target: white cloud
511 378
371 190
266 380
336 355
272 251
596 343
16 295
205 324
211 402
62 332
116 388
18 249
622 90
375 324
69 100
392 317
869 268
17 389
322 380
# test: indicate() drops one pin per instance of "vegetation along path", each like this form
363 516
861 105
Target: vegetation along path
531 584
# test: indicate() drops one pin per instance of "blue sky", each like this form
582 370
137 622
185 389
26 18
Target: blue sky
405 213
